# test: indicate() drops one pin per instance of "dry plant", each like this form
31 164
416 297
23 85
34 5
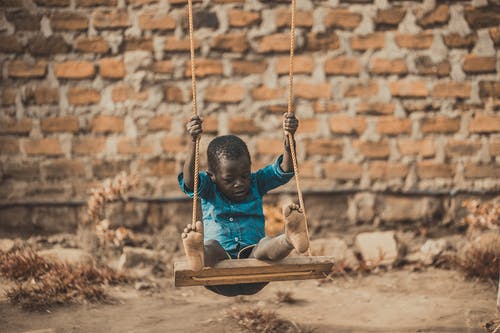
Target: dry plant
492 326
42 283
285 297
482 215
481 257
257 320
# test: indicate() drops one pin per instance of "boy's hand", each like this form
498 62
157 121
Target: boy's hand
290 123
194 127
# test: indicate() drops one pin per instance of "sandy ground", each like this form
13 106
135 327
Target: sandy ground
396 301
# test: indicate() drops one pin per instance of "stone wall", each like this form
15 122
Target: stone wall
393 96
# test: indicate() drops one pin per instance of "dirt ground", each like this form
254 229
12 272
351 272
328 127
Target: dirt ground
434 300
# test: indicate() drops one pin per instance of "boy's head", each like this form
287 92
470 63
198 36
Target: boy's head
229 166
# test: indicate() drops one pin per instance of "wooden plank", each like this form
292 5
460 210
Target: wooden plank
253 270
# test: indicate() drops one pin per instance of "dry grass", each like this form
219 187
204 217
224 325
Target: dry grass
257 320
492 326
285 297
481 258
41 283
482 215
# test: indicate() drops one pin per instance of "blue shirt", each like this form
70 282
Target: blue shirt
237 224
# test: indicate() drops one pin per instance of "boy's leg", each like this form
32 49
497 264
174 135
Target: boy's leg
214 253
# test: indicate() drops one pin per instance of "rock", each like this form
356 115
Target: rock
134 257
431 250
397 209
6 244
377 248
70 256
336 248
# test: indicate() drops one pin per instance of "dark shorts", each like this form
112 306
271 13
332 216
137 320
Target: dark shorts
231 290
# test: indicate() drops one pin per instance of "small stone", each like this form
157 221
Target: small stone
432 249
133 257
6 245
377 248
336 248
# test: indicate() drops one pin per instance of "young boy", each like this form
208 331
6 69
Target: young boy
231 200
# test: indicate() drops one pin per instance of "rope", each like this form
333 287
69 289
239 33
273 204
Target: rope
290 111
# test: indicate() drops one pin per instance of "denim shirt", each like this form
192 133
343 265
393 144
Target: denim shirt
237 224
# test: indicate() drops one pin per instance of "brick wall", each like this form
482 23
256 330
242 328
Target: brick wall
392 95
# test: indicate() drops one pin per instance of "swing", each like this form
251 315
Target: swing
250 270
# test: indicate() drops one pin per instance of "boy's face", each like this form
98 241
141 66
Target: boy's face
232 177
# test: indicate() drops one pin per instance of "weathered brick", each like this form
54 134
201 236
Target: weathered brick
83 96
269 146
10 44
440 124
275 43
431 170
160 123
133 147
325 106
375 108
175 144
347 125
459 148
387 170
15 126
474 171
439 16
458 41
94 3
202 18
22 169
88 145
342 19
425 66
322 41
482 17
242 18
409 89
211 124
148 2
368 42
242 125
107 169
387 67
308 126
74 70
64 169
9 146
476 64
163 67
369 88
173 44
232 93
228 1
416 42
60 124
489 89
22 69
53 3
452 89
112 68
393 126
145 44
424 147
343 66
390 17
495 146
303 19
495 35
111 19
236 42
152 20
343 170
301 65
174 94
205 67
11 3
23 19
324 147
312 90
107 124
44 46
371 149
68 21
159 167
8 96
245 67
92 44
46 146
264 93
122 93
485 123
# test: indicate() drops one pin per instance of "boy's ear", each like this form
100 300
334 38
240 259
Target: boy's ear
211 175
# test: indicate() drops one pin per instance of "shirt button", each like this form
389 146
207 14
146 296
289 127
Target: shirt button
236 238
231 219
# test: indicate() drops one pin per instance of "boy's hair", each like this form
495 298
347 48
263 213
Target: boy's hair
228 146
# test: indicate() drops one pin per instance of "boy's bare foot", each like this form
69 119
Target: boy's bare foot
295 227
192 238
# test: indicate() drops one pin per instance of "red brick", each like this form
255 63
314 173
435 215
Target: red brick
270 146
324 147
303 19
483 123
416 42
431 170
307 170
74 70
495 35
347 125
64 169
144 44
372 149
160 123
21 69
455 40
41 46
175 144
236 42
47 147
52 3
133 147
308 126
343 66
244 67
11 3
10 44
242 18
474 171
275 43
15 126
68 21
409 89
88 145
368 42
440 124
232 93
387 67
122 93
425 66
343 170
362 89
107 124
92 44
424 147
227 1
83 96
482 17
387 170
211 124
439 16
174 94
112 68
342 19
452 89
375 108
9 146
44 95
60 124
153 20
393 126
8 96
475 64
147 2
459 148
159 167
93 3
241 125
23 20
489 89
495 146
109 168
326 107
111 19
163 67
312 90
205 67
322 41
301 65
390 17
264 93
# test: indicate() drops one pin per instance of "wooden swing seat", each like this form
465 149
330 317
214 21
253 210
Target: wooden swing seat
237 271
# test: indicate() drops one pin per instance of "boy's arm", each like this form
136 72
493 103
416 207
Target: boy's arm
194 129
290 125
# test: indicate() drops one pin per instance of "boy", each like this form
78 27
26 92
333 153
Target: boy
231 199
